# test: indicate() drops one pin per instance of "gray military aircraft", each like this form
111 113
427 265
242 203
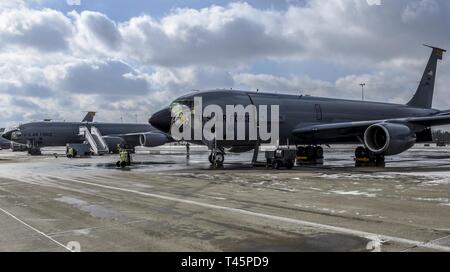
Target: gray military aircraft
4 144
49 133
382 129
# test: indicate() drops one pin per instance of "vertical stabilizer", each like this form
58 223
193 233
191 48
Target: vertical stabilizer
423 98
89 118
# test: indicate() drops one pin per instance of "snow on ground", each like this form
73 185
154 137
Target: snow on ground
353 193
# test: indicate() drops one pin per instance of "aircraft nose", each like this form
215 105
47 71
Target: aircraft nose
161 120
8 135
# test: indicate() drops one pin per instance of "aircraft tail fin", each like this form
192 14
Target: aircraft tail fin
423 98
89 117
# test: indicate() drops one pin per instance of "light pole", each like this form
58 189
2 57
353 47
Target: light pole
362 89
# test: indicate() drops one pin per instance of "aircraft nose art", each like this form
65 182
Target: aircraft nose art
161 120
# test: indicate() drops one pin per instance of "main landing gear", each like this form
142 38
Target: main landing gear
366 158
309 155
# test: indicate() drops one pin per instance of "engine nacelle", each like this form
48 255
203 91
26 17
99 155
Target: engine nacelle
389 138
153 139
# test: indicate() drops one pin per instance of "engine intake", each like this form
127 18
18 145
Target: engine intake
389 138
153 139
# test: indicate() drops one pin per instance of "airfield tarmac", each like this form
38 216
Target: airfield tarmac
165 203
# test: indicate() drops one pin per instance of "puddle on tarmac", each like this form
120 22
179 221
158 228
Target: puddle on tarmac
94 210
324 242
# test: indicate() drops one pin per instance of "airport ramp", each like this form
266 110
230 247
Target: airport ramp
95 140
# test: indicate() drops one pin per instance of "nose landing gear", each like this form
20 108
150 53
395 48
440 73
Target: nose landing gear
216 158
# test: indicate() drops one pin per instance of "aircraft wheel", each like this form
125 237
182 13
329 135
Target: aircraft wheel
360 152
123 164
210 158
310 152
300 151
219 159
290 165
319 152
118 163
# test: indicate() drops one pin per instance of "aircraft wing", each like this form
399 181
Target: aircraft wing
333 130
353 129
149 139
430 121
131 138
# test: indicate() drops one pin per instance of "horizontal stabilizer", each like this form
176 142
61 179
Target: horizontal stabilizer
438 52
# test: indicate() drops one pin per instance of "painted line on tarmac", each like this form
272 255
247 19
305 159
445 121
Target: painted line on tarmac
363 234
34 229
367 235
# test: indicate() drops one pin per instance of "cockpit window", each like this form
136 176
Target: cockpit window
184 102
182 111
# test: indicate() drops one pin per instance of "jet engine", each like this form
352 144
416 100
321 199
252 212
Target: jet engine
153 139
389 138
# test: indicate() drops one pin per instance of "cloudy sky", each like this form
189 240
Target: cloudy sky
59 58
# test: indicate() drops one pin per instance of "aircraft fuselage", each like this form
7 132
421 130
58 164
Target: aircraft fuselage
297 110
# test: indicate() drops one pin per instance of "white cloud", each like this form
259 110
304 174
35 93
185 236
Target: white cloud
346 31
11 4
374 2
423 8
95 33
111 77
291 84
42 30
212 36
87 61
73 2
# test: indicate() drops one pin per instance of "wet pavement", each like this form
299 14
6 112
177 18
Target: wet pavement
166 203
